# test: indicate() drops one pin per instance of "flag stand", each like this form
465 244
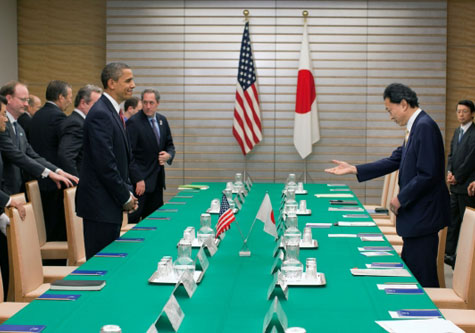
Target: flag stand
244 252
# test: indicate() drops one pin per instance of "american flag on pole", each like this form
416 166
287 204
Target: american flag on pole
226 217
247 128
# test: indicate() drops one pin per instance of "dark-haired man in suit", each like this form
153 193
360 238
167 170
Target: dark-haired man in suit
45 133
152 146
460 170
104 191
422 205
34 104
70 146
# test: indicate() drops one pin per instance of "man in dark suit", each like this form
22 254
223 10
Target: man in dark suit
422 205
5 201
21 162
152 147
461 170
104 191
131 107
45 133
70 145
34 104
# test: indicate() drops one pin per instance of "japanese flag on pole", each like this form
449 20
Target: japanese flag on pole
306 127
266 215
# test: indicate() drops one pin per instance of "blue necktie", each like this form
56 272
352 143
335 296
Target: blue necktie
155 130
15 125
460 135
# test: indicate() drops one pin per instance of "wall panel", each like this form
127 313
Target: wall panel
189 50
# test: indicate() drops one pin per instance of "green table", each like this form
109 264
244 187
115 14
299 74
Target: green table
232 296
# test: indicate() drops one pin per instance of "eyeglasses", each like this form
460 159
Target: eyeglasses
464 111
24 100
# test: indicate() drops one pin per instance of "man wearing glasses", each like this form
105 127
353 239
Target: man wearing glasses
460 171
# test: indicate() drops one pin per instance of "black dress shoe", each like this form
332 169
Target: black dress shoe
450 260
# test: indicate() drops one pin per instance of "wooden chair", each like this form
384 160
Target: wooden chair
440 257
49 250
8 309
464 319
462 294
74 229
386 195
29 276
126 226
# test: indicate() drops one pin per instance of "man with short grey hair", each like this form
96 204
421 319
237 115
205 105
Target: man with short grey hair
34 104
70 145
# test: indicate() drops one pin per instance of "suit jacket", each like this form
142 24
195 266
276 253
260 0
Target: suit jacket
423 192
103 187
25 121
461 160
4 197
146 149
20 161
45 133
70 146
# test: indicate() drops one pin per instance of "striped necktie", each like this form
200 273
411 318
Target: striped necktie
460 134
406 137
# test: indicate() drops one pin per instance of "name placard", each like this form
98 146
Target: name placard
275 318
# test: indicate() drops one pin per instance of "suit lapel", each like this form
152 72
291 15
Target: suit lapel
410 139
117 120
149 130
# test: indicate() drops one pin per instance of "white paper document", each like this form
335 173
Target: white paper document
342 235
345 209
397 286
380 272
376 253
436 325
372 239
319 225
355 224
335 195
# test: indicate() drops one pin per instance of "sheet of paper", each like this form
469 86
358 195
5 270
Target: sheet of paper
376 254
399 272
342 235
436 325
385 286
355 224
334 195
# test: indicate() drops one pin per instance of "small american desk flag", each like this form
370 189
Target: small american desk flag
247 128
226 217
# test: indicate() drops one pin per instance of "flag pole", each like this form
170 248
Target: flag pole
305 14
244 252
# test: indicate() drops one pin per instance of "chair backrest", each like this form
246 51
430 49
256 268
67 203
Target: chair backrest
34 196
26 254
19 197
74 228
125 219
390 181
440 257
384 192
464 272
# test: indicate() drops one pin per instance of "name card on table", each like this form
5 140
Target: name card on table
174 316
202 260
275 318
278 288
22 328
241 197
277 262
238 203
210 244
188 282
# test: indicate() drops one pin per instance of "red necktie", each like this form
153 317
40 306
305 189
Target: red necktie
121 115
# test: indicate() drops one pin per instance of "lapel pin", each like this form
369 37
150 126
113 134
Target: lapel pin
161 122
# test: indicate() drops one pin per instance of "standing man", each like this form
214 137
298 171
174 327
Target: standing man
20 161
104 190
70 145
34 104
131 107
152 147
422 205
45 133
461 169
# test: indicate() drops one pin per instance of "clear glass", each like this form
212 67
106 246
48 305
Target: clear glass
311 268
292 233
205 231
290 183
300 186
228 192
183 262
238 184
189 234
292 268
214 207
291 204
303 206
162 269
111 329
307 235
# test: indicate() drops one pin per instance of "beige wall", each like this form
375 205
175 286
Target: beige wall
62 40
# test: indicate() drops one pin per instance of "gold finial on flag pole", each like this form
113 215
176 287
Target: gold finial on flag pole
305 15
246 14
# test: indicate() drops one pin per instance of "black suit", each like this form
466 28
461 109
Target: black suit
70 146
461 162
17 153
4 266
145 166
45 133
25 121
103 187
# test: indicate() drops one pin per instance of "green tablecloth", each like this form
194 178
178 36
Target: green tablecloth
232 296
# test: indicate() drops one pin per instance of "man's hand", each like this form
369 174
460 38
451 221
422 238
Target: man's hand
163 157
58 179
342 168
69 176
132 204
451 179
140 187
394 205
471 189
19 207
